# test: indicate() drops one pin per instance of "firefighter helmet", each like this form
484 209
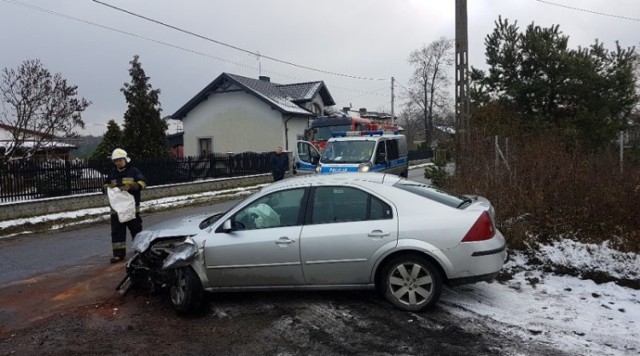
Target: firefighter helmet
120 153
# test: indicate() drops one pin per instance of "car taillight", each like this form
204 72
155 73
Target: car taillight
481 230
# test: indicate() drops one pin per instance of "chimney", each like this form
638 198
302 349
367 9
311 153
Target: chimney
346 109
363 111
264 78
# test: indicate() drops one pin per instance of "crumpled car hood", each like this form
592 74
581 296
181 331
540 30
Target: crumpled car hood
177 227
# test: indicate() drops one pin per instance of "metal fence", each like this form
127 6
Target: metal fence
34 180
420 155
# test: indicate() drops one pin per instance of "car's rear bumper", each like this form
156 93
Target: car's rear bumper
490 252
477 261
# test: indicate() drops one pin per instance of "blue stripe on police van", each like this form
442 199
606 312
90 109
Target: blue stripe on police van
305 166
338 168
378 167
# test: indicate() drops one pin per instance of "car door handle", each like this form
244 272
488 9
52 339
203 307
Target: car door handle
285 241
378 233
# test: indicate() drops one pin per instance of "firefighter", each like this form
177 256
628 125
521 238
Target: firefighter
129 178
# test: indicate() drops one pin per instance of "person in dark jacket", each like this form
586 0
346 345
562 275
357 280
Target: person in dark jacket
279 164
126 177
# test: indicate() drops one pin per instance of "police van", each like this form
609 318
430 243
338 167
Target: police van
355 151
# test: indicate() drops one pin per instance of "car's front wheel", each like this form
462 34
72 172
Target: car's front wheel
186 291
411 282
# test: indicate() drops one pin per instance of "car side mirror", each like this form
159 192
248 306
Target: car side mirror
226 225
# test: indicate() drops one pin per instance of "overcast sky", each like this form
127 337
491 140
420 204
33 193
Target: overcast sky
91 45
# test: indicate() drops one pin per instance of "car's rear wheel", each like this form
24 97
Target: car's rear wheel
411 282
186 291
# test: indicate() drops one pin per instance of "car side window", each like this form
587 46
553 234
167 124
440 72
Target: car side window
274 210
379 210
303 152
392 149
342 204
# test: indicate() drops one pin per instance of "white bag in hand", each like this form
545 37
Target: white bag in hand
123 203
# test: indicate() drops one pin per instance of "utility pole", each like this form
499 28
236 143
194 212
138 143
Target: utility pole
393 117
462 70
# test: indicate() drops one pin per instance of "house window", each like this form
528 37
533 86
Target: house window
317 109
205 146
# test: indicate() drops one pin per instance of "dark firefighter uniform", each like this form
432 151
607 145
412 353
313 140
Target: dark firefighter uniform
131 179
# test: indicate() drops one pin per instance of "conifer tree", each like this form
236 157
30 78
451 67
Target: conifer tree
111 140
143 134
586 94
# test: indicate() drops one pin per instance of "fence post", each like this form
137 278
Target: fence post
189 172
212 165
67 177
621 136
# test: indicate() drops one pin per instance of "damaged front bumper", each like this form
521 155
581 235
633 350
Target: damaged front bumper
155 260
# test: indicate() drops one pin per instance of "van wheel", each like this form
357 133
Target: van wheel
186 292
411 282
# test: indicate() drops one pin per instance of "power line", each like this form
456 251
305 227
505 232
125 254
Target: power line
588 11
363 93
232 46
372 92
68 17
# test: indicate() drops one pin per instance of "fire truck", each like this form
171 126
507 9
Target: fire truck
323 128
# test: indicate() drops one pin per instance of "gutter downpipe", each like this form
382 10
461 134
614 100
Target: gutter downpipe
286 133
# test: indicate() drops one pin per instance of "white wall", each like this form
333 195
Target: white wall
295 126
237 122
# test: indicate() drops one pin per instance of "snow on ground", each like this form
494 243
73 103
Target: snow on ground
577 316
570 314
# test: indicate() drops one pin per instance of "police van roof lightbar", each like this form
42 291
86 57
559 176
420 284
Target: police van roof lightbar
357 133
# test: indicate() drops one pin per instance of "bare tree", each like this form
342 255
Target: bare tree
38 109
410 120
431 80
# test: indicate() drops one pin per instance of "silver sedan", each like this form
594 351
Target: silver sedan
326 232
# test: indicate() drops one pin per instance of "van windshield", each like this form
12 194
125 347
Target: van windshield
348 152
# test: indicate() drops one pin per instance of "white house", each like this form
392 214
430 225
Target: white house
238 114
44 146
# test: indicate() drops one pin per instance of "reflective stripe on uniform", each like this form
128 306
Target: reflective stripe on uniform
119 245
142 184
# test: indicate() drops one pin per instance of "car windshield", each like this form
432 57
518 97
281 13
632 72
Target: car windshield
215 217
325 133
348 151
434 193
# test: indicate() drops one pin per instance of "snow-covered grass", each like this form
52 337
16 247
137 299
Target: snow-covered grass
570 314
86 216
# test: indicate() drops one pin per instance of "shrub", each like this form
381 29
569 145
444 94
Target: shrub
437 174
552 188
